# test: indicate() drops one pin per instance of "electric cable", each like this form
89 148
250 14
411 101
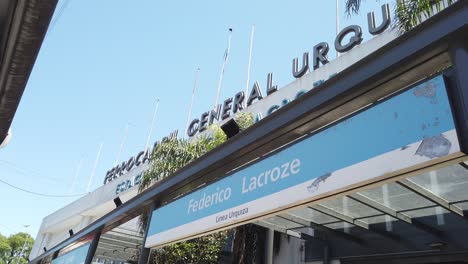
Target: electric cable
28 172
40 194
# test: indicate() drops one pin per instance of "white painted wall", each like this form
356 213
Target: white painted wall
82 212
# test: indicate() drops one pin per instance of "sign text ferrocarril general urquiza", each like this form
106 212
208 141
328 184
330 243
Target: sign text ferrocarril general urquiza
139 159
239 101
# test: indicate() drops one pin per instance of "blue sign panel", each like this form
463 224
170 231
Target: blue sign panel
410 128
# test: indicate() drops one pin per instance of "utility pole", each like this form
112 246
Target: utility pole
23 249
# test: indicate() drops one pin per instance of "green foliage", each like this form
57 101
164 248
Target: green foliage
174 153
204 250
244 120
407 12
5 249
168 157
15 248
217 136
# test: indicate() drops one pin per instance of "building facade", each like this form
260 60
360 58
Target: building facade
360 160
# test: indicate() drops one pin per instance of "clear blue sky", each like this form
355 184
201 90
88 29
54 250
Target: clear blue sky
103 64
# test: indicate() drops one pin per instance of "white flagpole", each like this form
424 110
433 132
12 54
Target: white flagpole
121 145
337 18
94 167
191 101
77 172
250 61
152 124
337 14
226 55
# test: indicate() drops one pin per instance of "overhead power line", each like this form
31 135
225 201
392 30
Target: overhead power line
40 194
28 172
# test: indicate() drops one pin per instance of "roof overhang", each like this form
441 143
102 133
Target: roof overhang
23 25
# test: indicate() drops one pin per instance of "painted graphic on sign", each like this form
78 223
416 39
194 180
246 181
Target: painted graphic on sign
409 128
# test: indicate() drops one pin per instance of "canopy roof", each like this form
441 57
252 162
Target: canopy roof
23 25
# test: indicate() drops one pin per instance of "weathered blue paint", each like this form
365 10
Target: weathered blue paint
414 115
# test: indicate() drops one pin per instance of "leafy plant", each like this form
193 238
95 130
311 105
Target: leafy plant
204 249
168 157
16 248
244 120
408 13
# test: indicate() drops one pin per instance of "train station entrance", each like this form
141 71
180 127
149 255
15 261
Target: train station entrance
370 166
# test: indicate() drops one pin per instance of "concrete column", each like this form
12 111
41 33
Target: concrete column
269 246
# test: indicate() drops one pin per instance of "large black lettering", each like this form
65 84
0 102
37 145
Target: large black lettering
385 20
238 100
270 87
305 66
320 54
147 156
214 114
123 167
138 158
203 121
130 163
353 41
226 108
108 177
255 93
193 127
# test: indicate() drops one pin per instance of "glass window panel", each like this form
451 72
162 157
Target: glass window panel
378 219
312 216
435 216
120 244
396 197
281 222
426 212
450 183
339 225
350 207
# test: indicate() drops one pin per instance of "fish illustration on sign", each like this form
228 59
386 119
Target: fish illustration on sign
313 187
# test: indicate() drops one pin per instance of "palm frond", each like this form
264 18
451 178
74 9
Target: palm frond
352 6
407 13
410 13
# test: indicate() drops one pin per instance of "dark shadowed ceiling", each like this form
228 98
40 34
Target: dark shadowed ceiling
23 25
